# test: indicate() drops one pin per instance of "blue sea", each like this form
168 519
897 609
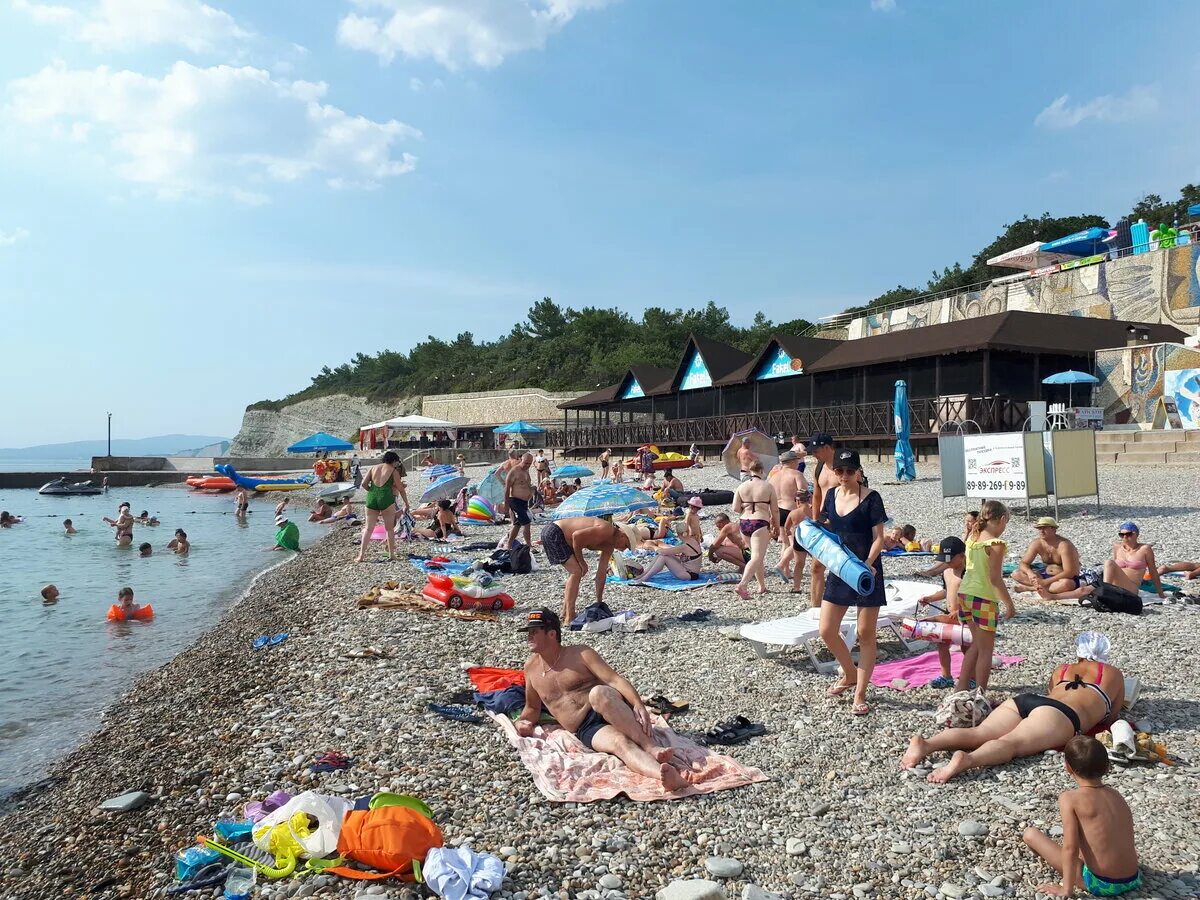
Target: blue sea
61 665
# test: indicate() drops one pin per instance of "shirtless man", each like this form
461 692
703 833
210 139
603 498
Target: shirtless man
320 513
789 483
123 523
820 445
746 458
518 491
241 500
564 542
502 470
588 698
179 544
729 544
1059 558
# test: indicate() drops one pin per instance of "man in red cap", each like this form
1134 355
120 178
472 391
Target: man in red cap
588 698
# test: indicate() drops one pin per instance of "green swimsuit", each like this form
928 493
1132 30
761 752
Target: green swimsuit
381 496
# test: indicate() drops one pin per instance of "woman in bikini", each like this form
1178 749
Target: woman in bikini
1130 562
383 483
855 514
683 560
1082 697
757 506
444 523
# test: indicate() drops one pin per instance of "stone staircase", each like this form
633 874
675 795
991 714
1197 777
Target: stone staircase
1148 447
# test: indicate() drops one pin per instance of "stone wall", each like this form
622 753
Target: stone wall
266 432
1160 287
498 407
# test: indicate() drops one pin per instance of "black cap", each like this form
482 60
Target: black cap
950 547
847 459
819 439
542 618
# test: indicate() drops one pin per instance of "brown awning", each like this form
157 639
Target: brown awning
1024 332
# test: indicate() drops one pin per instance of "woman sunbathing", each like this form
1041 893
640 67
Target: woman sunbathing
1190 569
1131 561
345 513
443 525
682 559
1080 697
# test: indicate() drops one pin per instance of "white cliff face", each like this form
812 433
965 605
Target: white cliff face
267 432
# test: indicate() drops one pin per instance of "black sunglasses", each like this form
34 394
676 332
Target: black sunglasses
1126 533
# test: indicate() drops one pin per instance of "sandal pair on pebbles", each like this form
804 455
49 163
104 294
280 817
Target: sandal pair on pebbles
840 687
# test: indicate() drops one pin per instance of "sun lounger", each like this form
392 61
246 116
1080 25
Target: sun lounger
772 638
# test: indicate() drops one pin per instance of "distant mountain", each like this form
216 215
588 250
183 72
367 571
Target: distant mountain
162 445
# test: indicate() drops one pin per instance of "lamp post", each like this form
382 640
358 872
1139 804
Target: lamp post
110 434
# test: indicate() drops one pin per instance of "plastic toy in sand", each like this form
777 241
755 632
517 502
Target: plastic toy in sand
479 509
938 632
117 613
459 592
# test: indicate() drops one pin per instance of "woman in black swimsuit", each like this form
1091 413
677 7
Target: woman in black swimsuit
856 515
683 560
758 506
1083 697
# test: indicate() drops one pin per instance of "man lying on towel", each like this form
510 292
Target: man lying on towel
588 698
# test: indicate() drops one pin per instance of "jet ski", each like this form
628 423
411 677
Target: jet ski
64 488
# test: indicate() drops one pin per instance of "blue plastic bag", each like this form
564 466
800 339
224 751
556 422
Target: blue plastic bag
231 831
191 860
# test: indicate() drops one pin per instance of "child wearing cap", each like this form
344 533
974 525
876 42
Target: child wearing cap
952 562
691 517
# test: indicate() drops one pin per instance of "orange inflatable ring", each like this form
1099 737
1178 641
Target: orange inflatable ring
116 614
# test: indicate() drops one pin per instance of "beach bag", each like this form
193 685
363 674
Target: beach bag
962 709
519 562
278 831
393 839
1110 598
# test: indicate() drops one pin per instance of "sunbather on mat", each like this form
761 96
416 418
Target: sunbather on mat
729 544
585 695
683 560
1081 696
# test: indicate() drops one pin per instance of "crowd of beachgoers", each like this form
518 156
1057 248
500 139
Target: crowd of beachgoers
836 784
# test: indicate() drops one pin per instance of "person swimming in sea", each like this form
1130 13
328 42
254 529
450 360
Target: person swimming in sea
69 527
49 595
179 544
146 519
123 523
7 519
146 549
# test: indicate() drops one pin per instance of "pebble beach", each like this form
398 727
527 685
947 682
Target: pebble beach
222 724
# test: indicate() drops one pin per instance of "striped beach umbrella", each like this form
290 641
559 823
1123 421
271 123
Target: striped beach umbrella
604 499
444 488
433 473
572 471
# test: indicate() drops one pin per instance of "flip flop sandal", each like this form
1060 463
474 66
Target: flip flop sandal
696 615
277 639
838 689
860 709
261 641
455 713
734 731
667 707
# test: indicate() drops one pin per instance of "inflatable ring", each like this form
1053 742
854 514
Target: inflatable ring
116 614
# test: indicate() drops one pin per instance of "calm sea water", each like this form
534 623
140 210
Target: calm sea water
61 665
48 465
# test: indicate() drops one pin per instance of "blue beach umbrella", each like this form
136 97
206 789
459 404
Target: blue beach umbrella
518 427
491 488
906 460
572 471
444 488
321 442
604 499
1071 377
433 473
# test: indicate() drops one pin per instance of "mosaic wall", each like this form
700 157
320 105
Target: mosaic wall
1160 287
1133 378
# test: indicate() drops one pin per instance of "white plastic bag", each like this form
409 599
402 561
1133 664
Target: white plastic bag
328 811
962 709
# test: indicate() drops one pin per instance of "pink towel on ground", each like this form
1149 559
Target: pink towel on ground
918 671
565 771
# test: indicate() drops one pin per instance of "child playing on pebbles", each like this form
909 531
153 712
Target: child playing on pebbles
1097 830
983 590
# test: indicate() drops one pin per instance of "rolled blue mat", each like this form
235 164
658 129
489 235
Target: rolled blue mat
829 550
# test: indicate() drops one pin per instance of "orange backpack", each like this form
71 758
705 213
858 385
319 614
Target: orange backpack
392 838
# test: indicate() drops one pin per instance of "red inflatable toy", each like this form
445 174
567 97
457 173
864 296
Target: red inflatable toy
465 595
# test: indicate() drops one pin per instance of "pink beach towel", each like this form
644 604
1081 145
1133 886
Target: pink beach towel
918 671
566 772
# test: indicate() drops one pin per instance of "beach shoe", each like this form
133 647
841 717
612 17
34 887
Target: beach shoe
261 641
455 713
277 639
330 761
942 682
665 706
696 615
734 731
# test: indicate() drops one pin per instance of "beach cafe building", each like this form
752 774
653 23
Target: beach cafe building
984 370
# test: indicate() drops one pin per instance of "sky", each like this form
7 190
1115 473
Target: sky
201 204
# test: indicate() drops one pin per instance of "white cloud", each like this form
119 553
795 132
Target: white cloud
126 24
883 5
233 131
1133 104
8 238
456 33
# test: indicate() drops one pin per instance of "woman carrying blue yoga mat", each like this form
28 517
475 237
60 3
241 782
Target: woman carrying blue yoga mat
854 514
